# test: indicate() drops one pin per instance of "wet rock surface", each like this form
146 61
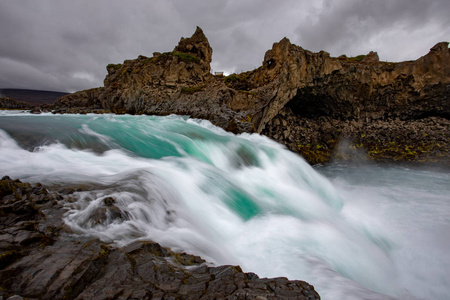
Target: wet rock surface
41 258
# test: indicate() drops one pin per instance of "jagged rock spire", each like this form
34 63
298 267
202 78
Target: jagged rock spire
197 44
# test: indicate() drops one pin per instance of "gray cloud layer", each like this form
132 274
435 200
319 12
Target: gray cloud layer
65 45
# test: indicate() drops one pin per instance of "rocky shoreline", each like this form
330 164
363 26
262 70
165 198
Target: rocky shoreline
41 258
399 141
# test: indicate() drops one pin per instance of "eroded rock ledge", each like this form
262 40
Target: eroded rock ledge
339 98
40 258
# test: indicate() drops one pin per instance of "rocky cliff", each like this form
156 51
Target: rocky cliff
7 103
41 258
309 101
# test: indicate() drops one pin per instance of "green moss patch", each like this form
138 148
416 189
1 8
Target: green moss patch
190 90
114 66
356 58
186 57
314 154
238 81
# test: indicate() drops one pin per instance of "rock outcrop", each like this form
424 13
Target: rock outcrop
394 111
7 103
338 98
41 258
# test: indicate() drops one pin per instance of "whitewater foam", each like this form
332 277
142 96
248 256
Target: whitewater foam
243 200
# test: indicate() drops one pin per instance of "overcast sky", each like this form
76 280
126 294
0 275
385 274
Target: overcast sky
65 45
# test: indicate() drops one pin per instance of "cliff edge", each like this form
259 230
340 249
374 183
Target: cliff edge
320 106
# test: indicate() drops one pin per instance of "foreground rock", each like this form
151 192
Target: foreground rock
338 98
40 258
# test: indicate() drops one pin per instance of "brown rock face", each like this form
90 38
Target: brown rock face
311 87
197 45
372 57
387 109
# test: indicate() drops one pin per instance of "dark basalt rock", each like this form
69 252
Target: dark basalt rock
312 87
319 139
40 258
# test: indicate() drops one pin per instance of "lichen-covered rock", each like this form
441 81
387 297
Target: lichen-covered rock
313 86
321 139
37 261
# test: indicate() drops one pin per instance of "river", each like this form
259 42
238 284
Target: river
355 231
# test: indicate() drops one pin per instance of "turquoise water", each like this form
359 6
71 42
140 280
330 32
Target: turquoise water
354 232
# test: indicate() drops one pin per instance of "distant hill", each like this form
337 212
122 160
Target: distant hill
33 97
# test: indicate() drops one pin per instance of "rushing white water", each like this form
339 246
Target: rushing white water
364 232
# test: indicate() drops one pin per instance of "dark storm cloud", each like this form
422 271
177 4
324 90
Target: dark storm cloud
65 45
397 29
